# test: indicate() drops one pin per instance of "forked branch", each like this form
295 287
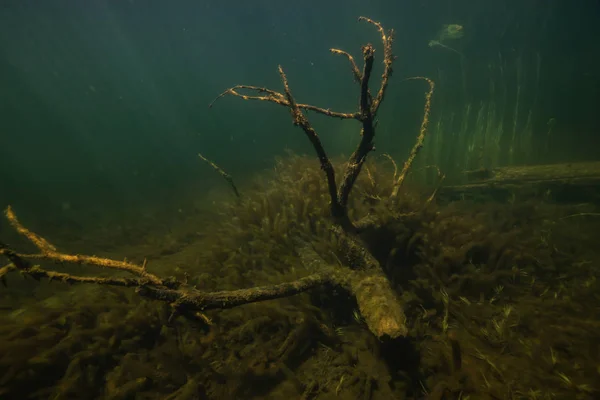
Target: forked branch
278 98
167 289
365 279
385 320
368 108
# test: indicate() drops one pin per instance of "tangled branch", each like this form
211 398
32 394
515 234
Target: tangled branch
185 299
364 279
368 108
178 293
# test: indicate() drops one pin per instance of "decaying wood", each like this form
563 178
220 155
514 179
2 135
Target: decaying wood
541 173
366 115
366 281
577 181
364 278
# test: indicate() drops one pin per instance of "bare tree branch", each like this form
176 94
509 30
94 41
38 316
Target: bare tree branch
48 252
355 71
300 119
420 138
368 108
222 172
278 98
364 278
388 60
365 145
366 283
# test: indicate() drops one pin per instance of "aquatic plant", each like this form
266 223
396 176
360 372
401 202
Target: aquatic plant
448 32
494 126
485 288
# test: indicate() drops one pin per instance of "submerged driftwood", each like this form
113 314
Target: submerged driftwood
364 277
569 182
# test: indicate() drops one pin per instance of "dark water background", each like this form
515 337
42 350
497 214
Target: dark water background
104 109
104 104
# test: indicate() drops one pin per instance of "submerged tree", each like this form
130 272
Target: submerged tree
364 277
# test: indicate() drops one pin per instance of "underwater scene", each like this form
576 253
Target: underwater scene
226 199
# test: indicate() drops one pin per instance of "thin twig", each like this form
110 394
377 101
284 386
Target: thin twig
441 178
420 138
388 60
49 252
355 71
224 174
386 155
278 98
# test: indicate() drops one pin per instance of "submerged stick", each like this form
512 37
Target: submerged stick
420 138
375 297
377 302
49 252
368 107
222 172
364 277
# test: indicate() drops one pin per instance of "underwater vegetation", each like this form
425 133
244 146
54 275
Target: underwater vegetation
448 32
388 293
500 300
